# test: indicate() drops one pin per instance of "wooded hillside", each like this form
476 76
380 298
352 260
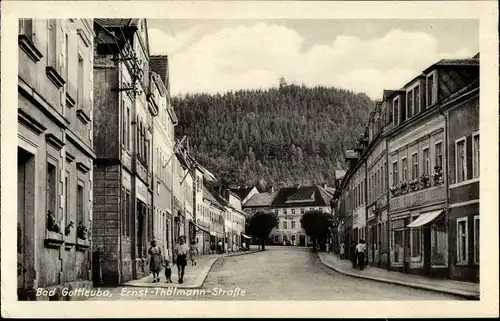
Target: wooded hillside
281 135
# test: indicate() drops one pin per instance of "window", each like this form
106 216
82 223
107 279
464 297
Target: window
302 210
79 88
285 225
66 59
461 162
51 189
425 157
395 176
293 225
26 28
67 213
475 156
395 107
126 213
293 211
293 238
430 90
276 211
398 245
416 242
409 98
52 43
462 241
414 165
276 240
438 151
416 100
405 169
476 239
79 204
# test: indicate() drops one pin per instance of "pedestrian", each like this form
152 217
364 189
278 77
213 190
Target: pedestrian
181 251
243 246
155 259
342 250
360 253
219 247
353 255
168 271
327 247
193 251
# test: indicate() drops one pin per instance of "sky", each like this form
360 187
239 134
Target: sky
360 55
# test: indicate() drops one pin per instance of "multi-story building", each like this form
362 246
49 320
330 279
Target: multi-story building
55 155
290 204
376 185
458 92
181 171
259 202
214 207
202 223
122 140
163 146
244 193
234 221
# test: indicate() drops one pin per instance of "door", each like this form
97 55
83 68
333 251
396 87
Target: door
427 250
302 240
21 231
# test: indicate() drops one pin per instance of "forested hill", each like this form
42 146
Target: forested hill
281 135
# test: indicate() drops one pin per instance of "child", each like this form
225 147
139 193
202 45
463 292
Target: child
168 271
193 251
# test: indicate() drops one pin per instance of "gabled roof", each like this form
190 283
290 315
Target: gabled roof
211 194
301 196
242 192
260 200
468 62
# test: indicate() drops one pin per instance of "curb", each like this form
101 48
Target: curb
466 295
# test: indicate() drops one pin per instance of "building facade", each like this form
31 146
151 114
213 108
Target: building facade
55 155
122 139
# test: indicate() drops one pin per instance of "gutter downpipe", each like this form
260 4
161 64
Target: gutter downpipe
447 186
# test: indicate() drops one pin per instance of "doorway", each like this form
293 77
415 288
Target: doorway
302 240
25 219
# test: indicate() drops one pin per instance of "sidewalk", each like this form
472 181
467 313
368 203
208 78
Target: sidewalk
194 276
464 289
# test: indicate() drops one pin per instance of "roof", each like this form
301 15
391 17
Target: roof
339 173
116 23
210 194
467 62
299 196
260 200
242 192
387 93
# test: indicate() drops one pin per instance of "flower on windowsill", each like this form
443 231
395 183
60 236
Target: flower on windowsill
394 190
67 229
424 179
52 223
403 185
81 231
414 184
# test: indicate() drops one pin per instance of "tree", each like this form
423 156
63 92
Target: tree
261 224
316 224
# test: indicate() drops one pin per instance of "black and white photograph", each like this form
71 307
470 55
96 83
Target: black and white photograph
221 156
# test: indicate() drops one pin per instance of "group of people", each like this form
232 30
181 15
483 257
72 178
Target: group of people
180 258
357 251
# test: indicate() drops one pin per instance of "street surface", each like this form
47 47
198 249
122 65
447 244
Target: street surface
279 273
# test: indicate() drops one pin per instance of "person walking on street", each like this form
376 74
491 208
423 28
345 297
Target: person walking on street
360 253
193 252
353 255
219 247
155 260
342 250
181 250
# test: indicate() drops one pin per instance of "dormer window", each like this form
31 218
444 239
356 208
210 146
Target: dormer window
431 89
395 108
413 99
409 97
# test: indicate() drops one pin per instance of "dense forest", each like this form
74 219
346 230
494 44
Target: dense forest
279 136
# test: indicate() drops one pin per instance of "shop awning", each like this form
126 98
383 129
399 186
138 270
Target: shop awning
246 236
425 218
213 233
204 229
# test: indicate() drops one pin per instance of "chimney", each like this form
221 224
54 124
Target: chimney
159 64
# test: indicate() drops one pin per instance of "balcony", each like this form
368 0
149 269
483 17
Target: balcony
418 197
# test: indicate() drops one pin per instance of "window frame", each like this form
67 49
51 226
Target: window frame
477 241
414 166
395 173
431 99
404 177
459 260
458 141
439 142
474 161
396 111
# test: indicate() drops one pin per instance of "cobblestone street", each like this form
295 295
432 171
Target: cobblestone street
279 273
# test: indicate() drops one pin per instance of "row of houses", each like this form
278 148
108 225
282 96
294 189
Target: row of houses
412 187
100 171
290 204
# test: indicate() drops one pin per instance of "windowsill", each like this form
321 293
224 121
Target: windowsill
463 183
82 116
462 263
29 48
53 239
70 101
82 245
54 76
69 241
